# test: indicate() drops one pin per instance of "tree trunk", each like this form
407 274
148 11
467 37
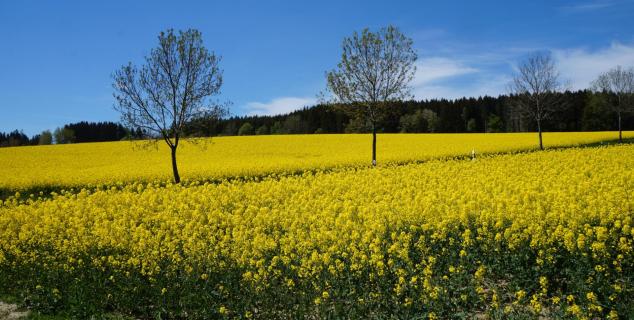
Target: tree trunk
620 132
539 129
177 177
374 145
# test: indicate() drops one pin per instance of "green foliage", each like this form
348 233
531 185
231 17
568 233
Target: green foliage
491 114
294 124
230 129
64 135
471 125
494 124
277 128
432 119
413 123
246 130
46 137
262 130
597 115
357 125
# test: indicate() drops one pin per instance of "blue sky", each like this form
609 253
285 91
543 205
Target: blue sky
56 57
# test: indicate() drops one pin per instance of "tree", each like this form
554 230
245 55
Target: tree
246 130
46 137
375 70
535 87
432 119
357 125
97 131
494 124
14 138
596 114
230 130
170 90
620 83
472 126
294 124
277 128
262 130
64 135
414 122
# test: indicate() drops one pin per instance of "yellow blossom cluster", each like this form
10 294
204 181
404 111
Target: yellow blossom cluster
110 163
546 233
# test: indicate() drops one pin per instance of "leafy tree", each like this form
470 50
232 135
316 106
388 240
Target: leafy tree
374 72
294 125
231 129
262 130
471 125
596 113
246 130
277 128
358 125
620 83
64 135
46 137
171 89
494 124
431 118
411 123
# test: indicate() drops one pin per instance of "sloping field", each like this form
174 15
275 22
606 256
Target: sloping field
537 235
79 165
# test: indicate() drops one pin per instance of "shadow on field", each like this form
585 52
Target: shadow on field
44 192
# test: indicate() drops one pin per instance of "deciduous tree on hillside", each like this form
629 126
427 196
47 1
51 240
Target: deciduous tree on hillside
535 86
620 83
375 70
171 89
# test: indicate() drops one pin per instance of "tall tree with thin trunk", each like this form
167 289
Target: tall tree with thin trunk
375 69
535 87
170 90
620 83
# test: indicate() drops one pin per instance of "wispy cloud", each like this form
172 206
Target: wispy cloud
582 66
429 34
277 106
483 85
429 70
588 6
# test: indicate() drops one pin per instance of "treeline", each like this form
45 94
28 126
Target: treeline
17 138
70 133
582 110
96 132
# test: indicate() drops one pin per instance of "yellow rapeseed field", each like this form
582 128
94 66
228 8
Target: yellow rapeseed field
80 165
545 234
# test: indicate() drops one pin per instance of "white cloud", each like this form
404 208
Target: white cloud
429 70
480 74
488 84
582 66
440 77
277 106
